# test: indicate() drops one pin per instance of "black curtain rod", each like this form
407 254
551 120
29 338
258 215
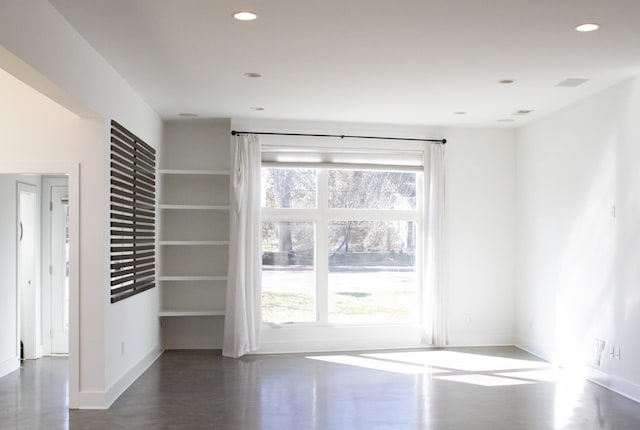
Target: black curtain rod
341 136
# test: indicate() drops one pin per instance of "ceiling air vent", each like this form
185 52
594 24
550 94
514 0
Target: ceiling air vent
571 82
522 112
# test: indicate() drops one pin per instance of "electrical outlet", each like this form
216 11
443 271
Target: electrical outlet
615 353
469 320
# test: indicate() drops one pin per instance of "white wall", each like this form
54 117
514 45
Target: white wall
196 144
41 48
480 192
9 355
33 127
481 202
578 271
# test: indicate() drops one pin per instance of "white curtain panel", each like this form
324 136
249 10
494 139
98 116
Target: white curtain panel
243 307
435 306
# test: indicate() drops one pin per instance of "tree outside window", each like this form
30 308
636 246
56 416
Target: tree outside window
369 219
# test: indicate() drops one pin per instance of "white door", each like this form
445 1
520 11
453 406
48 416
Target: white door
59 270
28 287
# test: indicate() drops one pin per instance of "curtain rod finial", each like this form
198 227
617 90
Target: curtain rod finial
444 141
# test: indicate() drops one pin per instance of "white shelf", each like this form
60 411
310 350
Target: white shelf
203 313
192 278
196 207
194 211
193 242
194 172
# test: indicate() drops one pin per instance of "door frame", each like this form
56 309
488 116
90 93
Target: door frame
48 181
72 171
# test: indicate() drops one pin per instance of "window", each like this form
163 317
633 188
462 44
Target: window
339 245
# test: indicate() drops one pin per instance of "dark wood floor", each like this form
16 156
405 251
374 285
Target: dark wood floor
487 388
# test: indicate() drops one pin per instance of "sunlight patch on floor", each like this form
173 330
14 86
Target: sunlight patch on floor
453 366
453 360
371 363
549 375
483 380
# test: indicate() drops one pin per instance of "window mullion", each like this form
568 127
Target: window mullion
421 239
373 215
322 239
279 214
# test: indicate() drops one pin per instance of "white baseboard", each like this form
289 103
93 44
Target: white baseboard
481 341
539 352
622 386
301 339
278 339
38 352
10 365
616 384
104 399
92 400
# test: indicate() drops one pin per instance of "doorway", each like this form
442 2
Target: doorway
9 330
29 290
43 265
55 251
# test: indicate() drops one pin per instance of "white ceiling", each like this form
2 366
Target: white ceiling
384 61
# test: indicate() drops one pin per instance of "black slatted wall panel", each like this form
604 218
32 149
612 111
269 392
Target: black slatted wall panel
133 214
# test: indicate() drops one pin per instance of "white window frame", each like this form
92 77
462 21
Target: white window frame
321 335
322 215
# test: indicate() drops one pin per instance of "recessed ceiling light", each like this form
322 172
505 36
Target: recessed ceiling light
252 75
523 112
587 26
245 15
506 120
460 113
256 108
506 81
188 115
